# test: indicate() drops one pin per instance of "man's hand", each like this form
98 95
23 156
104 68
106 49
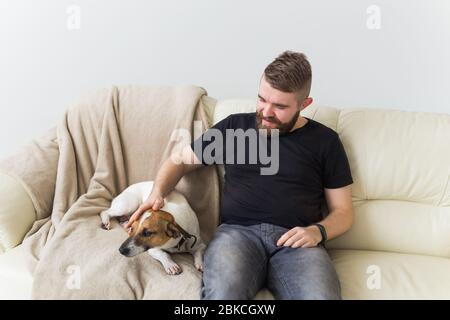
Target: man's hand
299 237
154 201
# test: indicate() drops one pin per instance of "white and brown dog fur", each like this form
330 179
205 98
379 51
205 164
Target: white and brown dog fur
172 229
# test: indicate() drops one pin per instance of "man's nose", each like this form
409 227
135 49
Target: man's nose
267 112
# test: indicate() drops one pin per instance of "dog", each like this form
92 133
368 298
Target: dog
172 229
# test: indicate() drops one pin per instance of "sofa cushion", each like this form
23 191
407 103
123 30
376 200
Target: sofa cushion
17 212
15 280
399 162
385 275
397 226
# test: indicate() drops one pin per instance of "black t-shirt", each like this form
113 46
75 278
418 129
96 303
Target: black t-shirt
310 159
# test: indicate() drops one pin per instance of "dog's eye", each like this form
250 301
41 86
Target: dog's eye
146 233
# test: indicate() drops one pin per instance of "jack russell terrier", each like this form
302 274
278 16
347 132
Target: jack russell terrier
158 232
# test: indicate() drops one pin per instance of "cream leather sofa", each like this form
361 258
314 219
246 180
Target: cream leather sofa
399 245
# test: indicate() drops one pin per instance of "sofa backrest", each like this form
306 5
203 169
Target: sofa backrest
400 163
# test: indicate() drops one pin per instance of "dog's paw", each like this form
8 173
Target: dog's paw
199 266
198 260
106 226
173 269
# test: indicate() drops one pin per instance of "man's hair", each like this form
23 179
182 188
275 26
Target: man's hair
290 72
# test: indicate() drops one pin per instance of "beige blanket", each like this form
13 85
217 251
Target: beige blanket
109 140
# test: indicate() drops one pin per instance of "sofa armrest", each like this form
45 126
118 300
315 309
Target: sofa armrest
27 187
17 212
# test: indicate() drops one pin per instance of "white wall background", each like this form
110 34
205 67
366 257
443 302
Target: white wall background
221 45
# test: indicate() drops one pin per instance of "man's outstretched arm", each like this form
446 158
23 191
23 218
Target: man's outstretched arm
172 170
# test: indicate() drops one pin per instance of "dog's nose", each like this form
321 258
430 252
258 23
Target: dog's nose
124 250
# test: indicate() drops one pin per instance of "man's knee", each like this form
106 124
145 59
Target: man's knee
304 274
226 278
222 252
233 266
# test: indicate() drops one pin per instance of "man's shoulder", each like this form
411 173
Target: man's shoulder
325 137
323 130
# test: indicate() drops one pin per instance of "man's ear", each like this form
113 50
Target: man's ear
306 103
172 230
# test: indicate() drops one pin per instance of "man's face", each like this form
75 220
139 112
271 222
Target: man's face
276 109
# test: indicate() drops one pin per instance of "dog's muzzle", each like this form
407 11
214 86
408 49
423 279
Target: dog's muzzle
129 248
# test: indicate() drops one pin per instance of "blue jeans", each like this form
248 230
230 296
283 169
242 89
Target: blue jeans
240 260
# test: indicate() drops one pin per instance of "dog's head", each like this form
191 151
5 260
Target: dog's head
155 229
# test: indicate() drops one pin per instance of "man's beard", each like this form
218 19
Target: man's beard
283 128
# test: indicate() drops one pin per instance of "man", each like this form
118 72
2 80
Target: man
272 232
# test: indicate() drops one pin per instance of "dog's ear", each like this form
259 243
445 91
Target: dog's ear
172 230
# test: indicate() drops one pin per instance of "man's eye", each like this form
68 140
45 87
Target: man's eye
146 233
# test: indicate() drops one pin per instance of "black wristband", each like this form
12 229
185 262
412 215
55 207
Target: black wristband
323 232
